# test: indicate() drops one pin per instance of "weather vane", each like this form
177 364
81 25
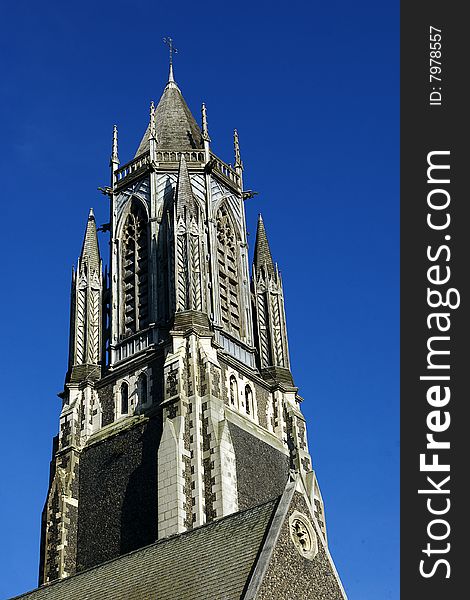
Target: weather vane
169 42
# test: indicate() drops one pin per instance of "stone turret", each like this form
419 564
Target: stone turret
86 310
192 413
268 302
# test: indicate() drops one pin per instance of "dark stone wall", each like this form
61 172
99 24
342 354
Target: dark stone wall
118 494
70 555
262 471
106 396
289 575
262 399
157 379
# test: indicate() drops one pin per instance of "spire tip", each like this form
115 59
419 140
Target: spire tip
169 42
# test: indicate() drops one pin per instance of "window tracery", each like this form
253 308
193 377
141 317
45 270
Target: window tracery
228 272
135 270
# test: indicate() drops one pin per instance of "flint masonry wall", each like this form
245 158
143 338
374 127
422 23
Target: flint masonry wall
118 494
290 575
262 471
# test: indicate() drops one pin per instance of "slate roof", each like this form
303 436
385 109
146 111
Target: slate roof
175 126
212 562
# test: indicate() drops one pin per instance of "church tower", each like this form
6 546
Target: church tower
179 406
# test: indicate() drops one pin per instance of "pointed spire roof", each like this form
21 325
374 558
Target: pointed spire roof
262 255
175 126
90 249
184 192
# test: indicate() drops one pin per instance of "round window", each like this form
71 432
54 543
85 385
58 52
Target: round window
303 535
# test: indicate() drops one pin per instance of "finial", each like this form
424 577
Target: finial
238 161
114 153
152 120
169 42
205 130
91 214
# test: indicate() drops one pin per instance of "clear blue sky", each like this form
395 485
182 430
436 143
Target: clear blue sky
313 90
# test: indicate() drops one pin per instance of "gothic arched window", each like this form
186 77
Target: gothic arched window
135 271
228 272
124 399
248 400
142 388
233 391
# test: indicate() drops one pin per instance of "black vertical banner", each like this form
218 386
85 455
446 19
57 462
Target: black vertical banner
435 305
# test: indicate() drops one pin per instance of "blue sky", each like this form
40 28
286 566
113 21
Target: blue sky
313 90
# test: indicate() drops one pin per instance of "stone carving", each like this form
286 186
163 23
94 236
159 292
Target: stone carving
303 535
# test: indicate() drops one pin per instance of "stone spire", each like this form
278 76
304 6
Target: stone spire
90 255
169 42
86 308
270 319
171 77
184 193
262 257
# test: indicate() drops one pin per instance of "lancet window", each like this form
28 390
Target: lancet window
124 399
227 251
135 270
248 400
142 388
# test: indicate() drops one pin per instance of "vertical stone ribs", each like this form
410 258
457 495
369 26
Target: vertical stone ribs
277 331
182 270
94 326
188 276
81 324
196 287
262 322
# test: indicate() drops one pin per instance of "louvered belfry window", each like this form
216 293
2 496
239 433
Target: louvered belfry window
142 388
228 272
124 399
135 270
